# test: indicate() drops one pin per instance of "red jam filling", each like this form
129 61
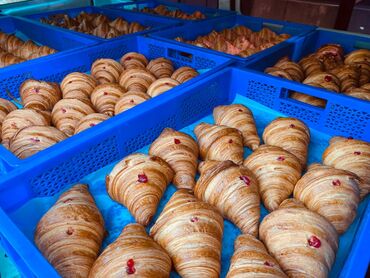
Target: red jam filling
132 101
142 178
268 263
70 231
336 182
105 93
240 110
314 241
130 269
35 140
328 78
292 126
92 124
357 153
231 141
64 110
177 141
194 219
246 180
281 158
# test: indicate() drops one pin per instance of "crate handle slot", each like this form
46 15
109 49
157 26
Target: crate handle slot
180 55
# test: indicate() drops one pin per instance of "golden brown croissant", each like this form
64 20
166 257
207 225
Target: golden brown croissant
129 100
78 85
136 79
315 101
67 113
278 72
39 95
364 71
294 69
251 259
112 33
311 65
132 253
240 117
105 96
351 155
332 193
12 43
358 56
359 93
180 151
290 134
90 121
138 182
219 143
161 85
70 234
135 27
331 56
120 25
348 76
277 172
133 60
323 80
184 74
366 86
19 119
160 67
26 50
45 50
233 190
106 70
303 242
5 108
32 139
191 232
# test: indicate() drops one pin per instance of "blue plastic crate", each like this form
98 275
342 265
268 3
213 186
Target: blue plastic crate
155 23
342 115
137 6
296 30
26 194
81 61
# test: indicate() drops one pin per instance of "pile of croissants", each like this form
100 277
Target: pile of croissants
298 238
330 69
95 24
13 50
52 113
239 40
164 11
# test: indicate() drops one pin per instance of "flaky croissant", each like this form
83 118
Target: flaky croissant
277 172
332 193
290 134
180 151
191 232
136 79
357 56
138 182
240 117
184 74
106 70
348 76
132 60
311 65
105 96
161 85
351 155
233 190
132 253
5 108
323 80
129 100
251 259
78 85
160 67
359 93
219 143
70 234
303 242
90 121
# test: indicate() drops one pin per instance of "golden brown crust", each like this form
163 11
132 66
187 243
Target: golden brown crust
5 108
136 79
78 85
105 96
184 74
161 86
132 60
315 101
90 120
106 70
160 67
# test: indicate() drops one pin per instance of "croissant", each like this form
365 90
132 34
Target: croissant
7 59
160 67
303 242
251 259
293 69
364 70
233 190
32 139
90 121
113 33
39 95
5 108
135 27
278 72
120 25
12 43
85 27
323 80
100 19
348 76
366 86
219 143
356 56
78 85
315 101
311 65
105 96
184 74
19 119
133 60
332 193
45 50
138 182
135 253
106 71
70 234
162 85
136 79
277 171
331 56
290 134
26 50
351 155
359 93
191 232
240 117
67 113
180 151
129 100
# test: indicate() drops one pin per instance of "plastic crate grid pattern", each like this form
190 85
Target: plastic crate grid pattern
299 111
261 92
12 84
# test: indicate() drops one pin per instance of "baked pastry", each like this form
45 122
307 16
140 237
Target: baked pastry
278 72
162 85
351 155
293 69
331 56
135 27
67 113
105 96
184 74
39 95
290 134
348 76
138 182
12 43
70 234
129 100
332 193
251 259
90 121
240 117
45 50
120 25
219 143
323 80
136 79
315 101
135 253
364 71
181 152
106 70
191 232
113 33
311 65
5 108
303 242
32 139
233 190
358 56
132 60
359 93
7 59
78 85
277 172
100 19
160 67
101 30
